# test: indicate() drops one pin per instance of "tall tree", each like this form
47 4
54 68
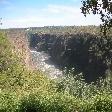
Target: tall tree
102 7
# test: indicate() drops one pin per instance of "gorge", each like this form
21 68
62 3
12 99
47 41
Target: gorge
87 53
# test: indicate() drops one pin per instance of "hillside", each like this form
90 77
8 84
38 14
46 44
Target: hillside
23 90
18 38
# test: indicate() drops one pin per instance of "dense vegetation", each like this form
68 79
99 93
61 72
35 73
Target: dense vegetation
101 7
30 91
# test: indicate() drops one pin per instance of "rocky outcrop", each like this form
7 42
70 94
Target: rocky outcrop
19 41
87 53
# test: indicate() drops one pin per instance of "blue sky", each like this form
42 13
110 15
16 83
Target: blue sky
35 13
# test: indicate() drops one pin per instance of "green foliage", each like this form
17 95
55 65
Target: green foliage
10 69
99 103
5 53
101 7
75 85
55 102
30 91
91 97
8 102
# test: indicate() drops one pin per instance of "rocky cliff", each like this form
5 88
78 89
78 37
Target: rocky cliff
87 53
19 41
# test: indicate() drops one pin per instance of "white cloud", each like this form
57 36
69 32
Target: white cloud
62 9
52 15
69 15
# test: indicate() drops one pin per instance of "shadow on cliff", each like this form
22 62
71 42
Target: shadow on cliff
87 53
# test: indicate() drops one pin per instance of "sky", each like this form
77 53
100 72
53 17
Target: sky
39 13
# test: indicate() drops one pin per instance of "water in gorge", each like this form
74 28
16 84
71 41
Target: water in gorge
43 62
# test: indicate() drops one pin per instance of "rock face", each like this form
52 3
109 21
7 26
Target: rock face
87 53
18 38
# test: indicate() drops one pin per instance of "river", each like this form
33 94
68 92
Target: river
43 62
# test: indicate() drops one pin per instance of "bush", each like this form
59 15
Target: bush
30 91
55 102
99 103
8 102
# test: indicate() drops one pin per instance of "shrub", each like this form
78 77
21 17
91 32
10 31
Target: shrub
55 102
8 102
30 91
99 103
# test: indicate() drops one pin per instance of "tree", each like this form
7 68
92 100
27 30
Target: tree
102 7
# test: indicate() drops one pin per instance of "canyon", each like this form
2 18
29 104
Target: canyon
87 53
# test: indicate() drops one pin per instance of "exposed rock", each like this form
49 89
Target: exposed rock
18 38
85 52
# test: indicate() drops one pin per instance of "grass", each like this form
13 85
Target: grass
22 90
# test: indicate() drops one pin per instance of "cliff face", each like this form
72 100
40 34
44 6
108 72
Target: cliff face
87 53
18 39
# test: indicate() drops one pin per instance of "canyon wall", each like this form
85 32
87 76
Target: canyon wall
87 53
19 41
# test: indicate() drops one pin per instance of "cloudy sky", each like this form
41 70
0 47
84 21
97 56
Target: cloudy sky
35 13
